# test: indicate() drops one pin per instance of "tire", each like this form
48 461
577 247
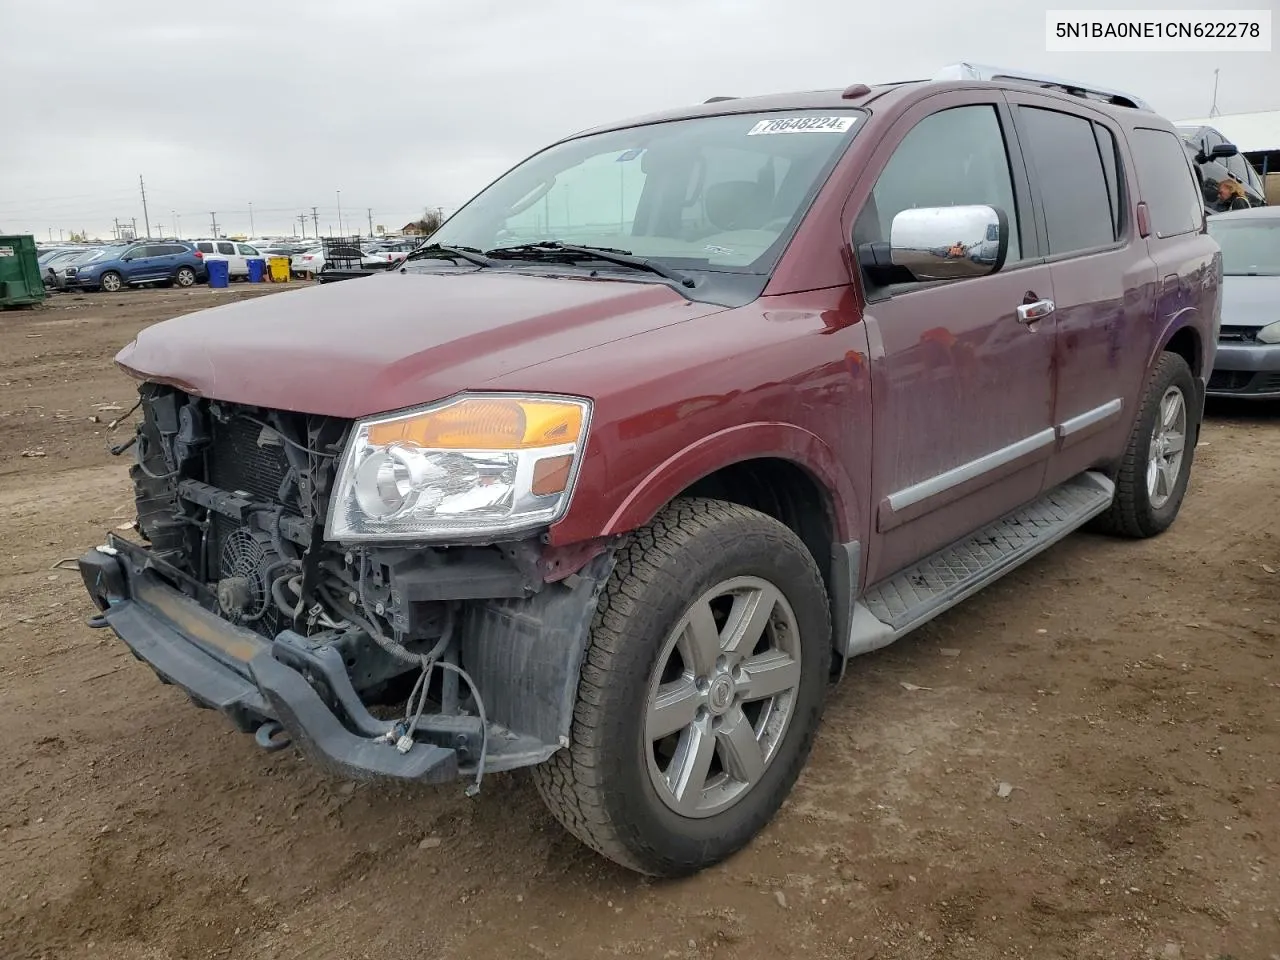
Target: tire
1140 509
611 786
110 282
184 277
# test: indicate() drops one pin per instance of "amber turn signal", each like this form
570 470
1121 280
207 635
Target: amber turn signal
482 423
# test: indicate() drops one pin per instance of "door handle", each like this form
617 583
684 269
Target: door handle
1031 312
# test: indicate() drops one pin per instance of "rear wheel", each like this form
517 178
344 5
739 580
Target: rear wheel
110 281
185 277
700 692
1153 476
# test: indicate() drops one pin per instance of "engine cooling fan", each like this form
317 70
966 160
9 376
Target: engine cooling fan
244 587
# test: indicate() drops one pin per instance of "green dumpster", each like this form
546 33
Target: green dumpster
20 282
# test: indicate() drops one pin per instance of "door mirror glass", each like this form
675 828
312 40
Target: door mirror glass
1223 150
949 243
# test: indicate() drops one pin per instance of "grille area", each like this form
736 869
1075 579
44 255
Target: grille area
1238 334
1244 382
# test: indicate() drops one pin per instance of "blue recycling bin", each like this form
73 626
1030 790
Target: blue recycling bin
257 269
219 273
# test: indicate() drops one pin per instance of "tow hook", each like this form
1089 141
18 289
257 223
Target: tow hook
271 736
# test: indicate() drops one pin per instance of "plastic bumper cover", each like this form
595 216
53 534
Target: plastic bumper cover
257 683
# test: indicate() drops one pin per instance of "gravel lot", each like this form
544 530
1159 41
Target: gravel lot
1126 693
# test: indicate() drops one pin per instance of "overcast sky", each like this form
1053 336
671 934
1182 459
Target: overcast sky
401 104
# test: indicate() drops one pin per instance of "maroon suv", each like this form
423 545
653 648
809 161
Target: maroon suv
670 421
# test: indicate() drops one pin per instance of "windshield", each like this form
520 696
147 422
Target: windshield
1249 246
714 193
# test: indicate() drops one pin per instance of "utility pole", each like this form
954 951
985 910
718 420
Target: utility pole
177 224
213 223
369 211
340 231
134 221
1213 108
252 233
115 231
59 234
145 218
315 219
159 231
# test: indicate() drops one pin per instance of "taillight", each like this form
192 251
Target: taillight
199 255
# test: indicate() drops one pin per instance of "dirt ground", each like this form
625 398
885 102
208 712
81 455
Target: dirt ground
1127 693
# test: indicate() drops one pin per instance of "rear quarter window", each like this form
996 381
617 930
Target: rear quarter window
1167 182
204 247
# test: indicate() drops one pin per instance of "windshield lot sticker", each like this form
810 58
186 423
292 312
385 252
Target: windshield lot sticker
629 154
803 125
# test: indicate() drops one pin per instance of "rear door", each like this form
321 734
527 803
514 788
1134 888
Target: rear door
1103 280
963 388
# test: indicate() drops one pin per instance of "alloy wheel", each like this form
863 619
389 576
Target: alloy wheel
721 696
1167 448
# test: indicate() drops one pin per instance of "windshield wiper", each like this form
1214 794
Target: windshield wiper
436 251
556 249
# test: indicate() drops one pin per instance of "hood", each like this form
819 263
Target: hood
374 344
1250 301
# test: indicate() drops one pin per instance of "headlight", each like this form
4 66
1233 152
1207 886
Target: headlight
1270 333
473 466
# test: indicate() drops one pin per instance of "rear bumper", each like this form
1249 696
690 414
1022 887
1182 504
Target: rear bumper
258 684
1246 370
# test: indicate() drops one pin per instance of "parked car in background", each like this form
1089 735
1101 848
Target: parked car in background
1215 159
133 264
845 358
1248 360
54 263
308 262
236 253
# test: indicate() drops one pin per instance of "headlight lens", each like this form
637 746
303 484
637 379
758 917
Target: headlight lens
472 466
1270 333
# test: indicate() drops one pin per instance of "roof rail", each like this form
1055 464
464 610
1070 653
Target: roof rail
974 71
718 99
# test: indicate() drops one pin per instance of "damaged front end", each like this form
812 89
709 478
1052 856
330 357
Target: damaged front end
403 659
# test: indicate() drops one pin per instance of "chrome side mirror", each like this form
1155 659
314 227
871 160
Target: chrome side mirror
949 243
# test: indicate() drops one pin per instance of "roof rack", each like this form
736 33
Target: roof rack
974 71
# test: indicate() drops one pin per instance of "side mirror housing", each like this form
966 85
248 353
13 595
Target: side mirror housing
126 259
942 243
1223 150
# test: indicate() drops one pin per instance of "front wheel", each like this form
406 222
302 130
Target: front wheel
110 281
185 277
1156 468
700 692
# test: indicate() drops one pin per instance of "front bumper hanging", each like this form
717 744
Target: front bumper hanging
271 688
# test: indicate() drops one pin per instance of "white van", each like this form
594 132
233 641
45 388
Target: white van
235 253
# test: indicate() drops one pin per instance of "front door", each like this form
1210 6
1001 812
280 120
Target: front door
962 386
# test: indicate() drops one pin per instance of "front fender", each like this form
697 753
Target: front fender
736 444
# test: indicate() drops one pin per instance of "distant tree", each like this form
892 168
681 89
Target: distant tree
78 238
430 222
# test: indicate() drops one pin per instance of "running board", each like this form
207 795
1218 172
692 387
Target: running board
916 595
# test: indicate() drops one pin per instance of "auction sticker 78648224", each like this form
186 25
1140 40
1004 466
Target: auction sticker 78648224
803 125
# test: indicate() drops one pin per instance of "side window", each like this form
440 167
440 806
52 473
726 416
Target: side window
954 157
175 249
226 249
1110 154
248 251
159 250
204 246
1168 185
1063 148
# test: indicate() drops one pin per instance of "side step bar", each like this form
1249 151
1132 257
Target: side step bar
916 595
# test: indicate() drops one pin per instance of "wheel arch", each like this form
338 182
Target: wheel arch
781 470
